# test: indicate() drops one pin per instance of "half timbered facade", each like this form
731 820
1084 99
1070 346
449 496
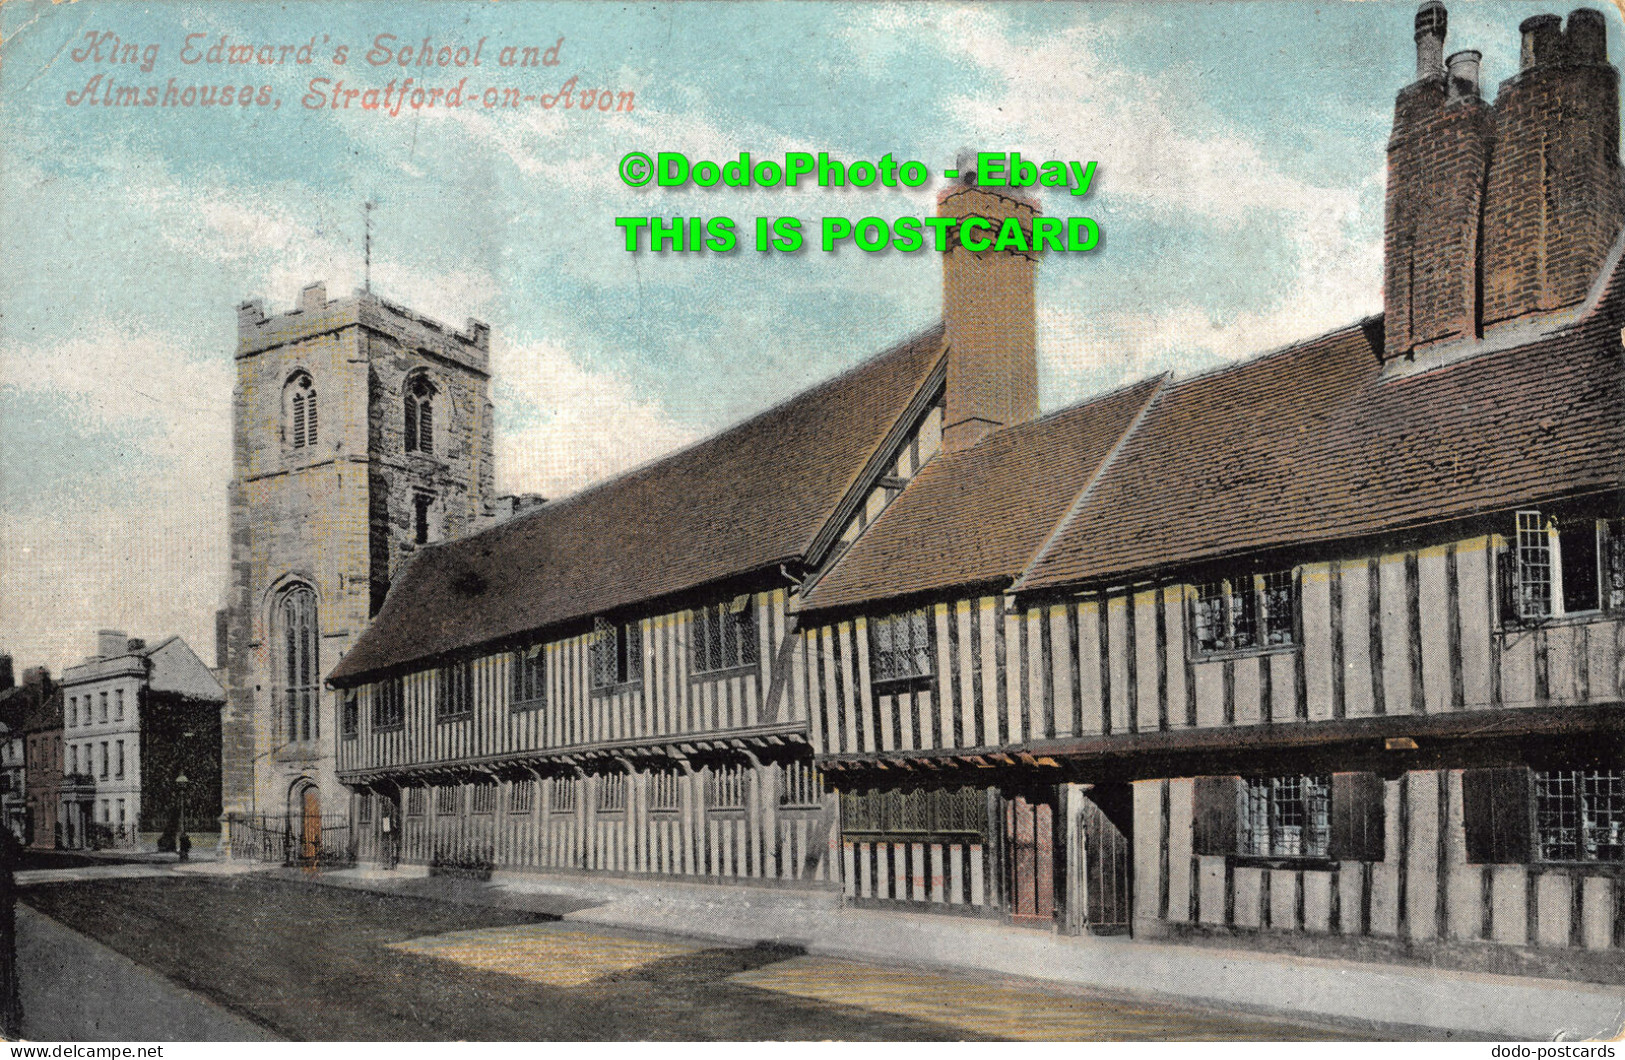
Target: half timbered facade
1324 650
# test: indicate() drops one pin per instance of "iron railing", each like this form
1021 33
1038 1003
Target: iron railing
310 841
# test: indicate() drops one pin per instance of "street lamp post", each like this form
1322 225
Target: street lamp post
182 843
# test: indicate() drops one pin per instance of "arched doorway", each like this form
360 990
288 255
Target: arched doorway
305 821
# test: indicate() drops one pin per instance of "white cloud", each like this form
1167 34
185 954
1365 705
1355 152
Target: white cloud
595 422
147 552
1157 147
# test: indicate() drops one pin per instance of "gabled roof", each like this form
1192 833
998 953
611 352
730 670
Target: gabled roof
979 516
31 708
741 501
1314 444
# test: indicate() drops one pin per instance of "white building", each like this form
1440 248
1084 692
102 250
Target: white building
135 719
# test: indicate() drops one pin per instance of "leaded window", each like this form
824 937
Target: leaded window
417 800
1564 565
725 635
528 678
1287 816
448 798
1534 566
1580 814
349 713
389 703
454 690
483 797
617 653
946 811
298 666
1245 611
900 646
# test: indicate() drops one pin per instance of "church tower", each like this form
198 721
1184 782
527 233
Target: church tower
361 432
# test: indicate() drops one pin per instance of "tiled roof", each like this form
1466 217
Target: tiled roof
744 500
980 515
1312 444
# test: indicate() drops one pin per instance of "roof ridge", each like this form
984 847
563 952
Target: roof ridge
596 487
1275 351
1078 502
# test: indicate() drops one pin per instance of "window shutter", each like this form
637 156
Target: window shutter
298 421
411 424
426 426
1506 591
310 418
1359 807
1214 822
1495 809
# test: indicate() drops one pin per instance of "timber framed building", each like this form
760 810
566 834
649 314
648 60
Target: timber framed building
1323 650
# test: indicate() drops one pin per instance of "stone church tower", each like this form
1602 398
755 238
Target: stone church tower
361 432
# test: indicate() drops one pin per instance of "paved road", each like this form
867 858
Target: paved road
310 962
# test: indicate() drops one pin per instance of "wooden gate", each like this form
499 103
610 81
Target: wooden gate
1108 859
1030 835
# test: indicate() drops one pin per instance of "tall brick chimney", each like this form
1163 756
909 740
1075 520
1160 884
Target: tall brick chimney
1438 155
990 312
1555 200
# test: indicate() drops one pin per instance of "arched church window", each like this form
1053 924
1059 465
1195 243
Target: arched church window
299 412
419 415
298 665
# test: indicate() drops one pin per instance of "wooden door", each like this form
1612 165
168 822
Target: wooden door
1107 867
310 839
1030 838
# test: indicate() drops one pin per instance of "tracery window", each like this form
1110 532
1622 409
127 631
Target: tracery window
298 665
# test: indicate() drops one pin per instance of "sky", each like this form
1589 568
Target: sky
1239 192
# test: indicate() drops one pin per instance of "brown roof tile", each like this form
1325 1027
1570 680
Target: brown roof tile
979 516
1312 444
743 500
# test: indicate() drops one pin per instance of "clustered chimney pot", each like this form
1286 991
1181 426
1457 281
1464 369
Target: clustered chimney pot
1431 23
1587 38
1463 69
1542 40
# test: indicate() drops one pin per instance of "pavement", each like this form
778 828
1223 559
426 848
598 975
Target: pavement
62 964
1390 1000
1405 1000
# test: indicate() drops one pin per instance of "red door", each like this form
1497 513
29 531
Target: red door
310 838
1030 828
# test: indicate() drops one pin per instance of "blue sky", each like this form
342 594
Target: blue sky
1239 188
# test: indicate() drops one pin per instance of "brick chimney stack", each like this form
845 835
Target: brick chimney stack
1555 199
1438 155
989 309
111 643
